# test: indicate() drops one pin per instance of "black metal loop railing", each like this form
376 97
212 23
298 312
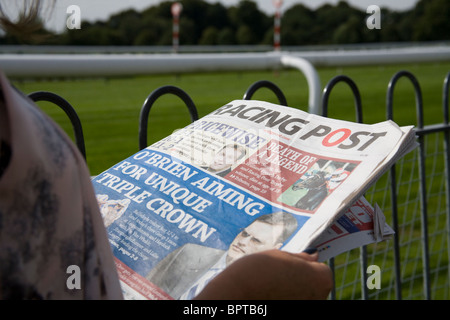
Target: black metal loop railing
445 107
445 99
145 110
417 91
422 176
265 84
70 112
359 118
357 96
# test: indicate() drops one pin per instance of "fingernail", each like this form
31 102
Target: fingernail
310 250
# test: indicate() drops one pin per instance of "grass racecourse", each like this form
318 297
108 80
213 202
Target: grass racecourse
109 112
109 108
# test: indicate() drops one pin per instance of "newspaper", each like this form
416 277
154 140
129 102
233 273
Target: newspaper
247 177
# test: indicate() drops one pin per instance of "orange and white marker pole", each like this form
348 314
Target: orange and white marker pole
176 11
277 25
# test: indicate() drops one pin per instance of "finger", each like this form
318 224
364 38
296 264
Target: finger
310 250
309 256
313 257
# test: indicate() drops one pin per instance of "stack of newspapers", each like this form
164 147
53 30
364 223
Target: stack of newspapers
247 177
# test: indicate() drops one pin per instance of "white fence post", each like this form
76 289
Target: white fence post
313 79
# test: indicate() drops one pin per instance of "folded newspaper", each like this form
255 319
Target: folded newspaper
247 177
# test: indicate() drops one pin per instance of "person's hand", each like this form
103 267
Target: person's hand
271 274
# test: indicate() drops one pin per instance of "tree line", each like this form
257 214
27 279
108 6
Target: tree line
204 23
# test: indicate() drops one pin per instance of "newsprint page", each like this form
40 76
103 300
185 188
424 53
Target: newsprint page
248 174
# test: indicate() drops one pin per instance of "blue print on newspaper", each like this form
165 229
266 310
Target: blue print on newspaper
153 203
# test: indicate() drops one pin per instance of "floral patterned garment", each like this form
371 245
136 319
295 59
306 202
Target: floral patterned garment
49 216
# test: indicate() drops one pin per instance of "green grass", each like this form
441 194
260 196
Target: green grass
109 108
109 111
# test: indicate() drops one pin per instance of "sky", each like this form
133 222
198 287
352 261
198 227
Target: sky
93 10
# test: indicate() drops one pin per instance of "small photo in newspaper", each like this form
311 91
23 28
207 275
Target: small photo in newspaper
308 192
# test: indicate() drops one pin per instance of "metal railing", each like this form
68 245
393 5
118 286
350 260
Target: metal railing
413 270
70 112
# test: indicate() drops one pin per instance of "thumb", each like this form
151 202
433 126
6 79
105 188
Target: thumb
310 254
